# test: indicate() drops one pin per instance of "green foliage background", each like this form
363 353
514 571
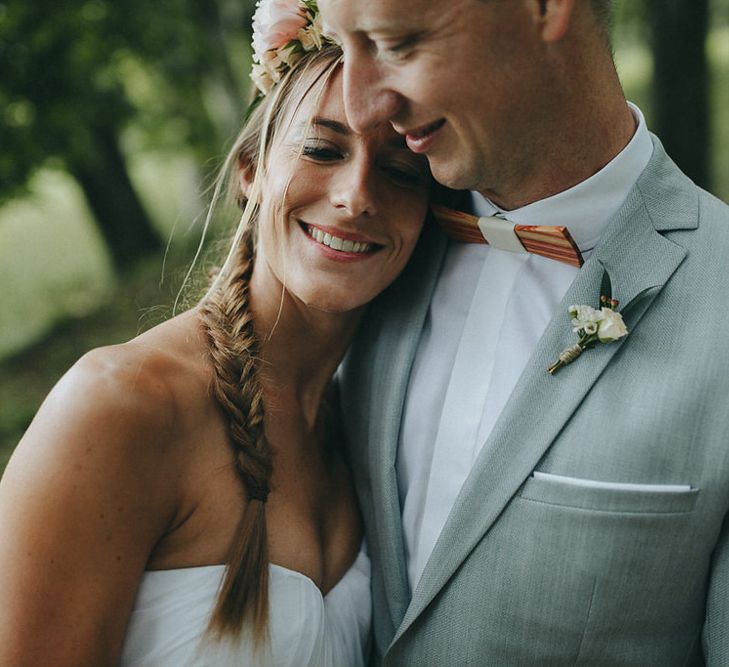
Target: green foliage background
167 83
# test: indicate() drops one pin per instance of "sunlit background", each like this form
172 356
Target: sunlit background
115 115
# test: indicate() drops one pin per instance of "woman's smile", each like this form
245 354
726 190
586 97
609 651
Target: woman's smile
344 245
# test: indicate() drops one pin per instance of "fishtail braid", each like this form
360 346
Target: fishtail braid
233 349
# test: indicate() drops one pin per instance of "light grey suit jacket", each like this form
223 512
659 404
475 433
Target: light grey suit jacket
530 571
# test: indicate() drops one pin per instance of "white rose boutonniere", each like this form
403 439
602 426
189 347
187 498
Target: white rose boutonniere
611 326
592 326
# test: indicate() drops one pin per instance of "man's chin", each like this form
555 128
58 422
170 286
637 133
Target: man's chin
449 173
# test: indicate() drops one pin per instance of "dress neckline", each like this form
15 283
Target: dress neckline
274 567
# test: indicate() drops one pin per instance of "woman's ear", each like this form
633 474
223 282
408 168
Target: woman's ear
246 175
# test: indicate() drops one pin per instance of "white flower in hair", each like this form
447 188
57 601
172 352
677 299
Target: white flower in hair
262 78
312 37
289 55
283 30
275 23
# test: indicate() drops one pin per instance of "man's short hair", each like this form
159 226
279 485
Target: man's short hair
603 12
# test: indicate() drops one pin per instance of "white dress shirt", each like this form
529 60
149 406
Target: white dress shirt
488 311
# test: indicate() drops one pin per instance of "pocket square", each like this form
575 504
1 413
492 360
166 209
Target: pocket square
616 486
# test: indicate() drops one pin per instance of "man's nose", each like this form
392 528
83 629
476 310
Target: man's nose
368 101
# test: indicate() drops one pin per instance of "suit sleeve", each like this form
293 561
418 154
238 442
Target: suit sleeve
716 625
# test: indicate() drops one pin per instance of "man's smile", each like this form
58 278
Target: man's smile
420 138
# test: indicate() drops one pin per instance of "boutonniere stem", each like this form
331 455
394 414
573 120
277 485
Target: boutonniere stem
592 326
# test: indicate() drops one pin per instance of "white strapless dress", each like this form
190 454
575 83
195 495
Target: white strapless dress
172 609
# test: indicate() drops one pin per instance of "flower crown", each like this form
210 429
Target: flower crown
283 30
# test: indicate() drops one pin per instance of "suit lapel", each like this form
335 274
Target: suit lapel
406 305
638 261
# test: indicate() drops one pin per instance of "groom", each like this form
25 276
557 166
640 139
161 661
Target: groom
516 517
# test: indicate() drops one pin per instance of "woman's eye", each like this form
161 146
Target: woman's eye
321 153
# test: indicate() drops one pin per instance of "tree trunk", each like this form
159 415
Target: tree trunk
119 213
680 83
228 116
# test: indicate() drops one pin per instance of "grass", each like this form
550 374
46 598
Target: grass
52 262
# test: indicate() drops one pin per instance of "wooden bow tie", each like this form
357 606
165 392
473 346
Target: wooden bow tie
552 242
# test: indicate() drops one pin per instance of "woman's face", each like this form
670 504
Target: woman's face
340 211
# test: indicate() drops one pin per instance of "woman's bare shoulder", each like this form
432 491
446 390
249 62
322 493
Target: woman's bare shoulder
92 487
127 404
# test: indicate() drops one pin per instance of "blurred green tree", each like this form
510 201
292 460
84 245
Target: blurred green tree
74 75
680 87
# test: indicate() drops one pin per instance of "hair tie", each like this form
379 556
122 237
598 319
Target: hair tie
258 491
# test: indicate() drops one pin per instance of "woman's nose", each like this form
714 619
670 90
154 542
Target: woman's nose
353 191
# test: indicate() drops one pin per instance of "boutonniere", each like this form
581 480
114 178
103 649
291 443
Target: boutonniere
592 326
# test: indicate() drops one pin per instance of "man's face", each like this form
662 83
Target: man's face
461 79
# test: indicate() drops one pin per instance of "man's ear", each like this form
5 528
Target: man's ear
554 17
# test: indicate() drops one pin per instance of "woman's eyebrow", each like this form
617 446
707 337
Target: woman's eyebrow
334 125
398 141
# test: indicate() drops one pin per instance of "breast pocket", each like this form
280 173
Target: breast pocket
596 495
641 548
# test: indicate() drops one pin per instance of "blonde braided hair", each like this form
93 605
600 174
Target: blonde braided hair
233 349
233 346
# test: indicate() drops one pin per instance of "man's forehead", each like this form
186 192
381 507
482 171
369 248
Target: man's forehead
375 15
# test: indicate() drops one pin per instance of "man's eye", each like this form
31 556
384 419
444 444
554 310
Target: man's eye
321 153
398 50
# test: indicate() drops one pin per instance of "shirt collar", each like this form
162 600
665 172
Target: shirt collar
586 208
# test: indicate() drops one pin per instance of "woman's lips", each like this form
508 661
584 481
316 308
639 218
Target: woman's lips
422 138
340 245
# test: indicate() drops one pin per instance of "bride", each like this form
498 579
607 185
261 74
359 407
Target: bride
182 499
